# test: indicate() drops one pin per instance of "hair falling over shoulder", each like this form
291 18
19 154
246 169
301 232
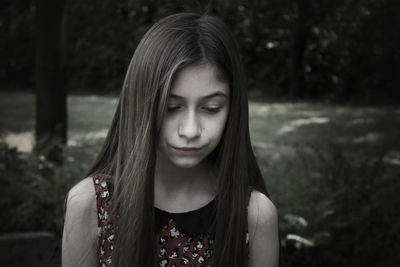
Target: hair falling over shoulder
129 151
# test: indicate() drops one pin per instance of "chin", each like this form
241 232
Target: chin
186 163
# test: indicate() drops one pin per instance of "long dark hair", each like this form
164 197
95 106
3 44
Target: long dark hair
129 151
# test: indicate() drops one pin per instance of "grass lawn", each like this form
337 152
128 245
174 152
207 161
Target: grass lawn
278 130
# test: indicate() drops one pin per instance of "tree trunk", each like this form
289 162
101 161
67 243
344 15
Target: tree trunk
51 113
300 35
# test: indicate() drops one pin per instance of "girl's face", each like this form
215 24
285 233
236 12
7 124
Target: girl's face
197 111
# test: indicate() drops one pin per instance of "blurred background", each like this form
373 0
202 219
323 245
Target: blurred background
323 82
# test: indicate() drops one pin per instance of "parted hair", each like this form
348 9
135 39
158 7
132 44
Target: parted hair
128 154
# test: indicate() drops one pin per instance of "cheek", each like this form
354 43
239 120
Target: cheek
216 127
167 128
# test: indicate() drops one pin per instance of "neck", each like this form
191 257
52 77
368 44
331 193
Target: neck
174 183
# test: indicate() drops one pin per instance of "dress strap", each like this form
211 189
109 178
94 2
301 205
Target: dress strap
105 225
103 198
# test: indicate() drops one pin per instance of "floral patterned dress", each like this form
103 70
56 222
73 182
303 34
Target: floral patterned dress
182 239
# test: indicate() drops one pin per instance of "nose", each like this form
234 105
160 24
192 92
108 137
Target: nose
189 127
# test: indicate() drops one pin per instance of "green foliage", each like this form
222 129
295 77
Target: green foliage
34 190
17 53
335 210
332 49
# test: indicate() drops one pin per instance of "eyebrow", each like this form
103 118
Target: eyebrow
219 93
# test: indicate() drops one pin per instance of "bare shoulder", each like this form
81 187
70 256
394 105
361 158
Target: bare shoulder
261 209
81 204
84 190
263 231
80 225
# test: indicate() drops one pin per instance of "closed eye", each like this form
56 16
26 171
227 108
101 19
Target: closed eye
173 108
208 109
212 109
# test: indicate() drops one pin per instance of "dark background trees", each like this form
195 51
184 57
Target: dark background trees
298 49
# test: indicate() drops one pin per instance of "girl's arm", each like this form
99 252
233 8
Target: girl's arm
263 231
79 243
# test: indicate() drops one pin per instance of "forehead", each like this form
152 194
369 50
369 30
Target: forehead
198 81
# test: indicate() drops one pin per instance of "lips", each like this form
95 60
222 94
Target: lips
188 149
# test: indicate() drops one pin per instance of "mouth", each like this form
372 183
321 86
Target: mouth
187 149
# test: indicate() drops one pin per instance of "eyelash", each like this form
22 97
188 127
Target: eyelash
173 108
211 110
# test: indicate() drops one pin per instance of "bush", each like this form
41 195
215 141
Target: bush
335 210
34 190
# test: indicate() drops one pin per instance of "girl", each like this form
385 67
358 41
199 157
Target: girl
176 182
